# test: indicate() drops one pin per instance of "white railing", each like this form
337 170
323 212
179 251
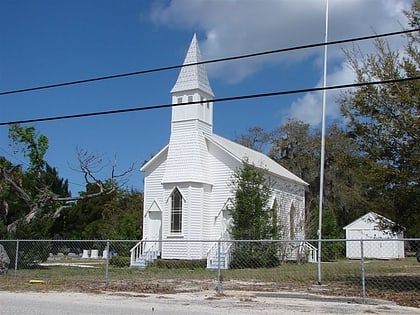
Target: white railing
311 252
139 251
222 248
136 252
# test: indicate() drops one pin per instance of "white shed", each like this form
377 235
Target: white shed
379 240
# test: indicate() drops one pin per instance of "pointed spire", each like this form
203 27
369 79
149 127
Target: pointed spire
195 76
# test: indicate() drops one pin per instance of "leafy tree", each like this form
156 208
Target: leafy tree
34 146
38 188
250 211
385 122
29 193
296 146
252 219
255 139
111 216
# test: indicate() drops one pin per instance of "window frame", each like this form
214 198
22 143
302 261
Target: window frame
176 212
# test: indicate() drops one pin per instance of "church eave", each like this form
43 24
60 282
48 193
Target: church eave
171 182
154 158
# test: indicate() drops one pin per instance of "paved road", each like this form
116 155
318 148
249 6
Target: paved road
203 303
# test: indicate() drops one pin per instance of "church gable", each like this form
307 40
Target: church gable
154 207
155 161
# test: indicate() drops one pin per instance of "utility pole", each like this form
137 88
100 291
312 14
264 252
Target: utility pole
321 175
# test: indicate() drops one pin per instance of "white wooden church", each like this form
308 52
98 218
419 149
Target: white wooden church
187 184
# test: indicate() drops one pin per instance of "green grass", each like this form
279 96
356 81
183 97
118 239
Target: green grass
343 271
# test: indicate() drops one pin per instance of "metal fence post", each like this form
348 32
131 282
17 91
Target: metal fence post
362 265
16 256
219 271
107 264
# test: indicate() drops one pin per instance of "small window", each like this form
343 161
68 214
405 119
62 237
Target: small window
179 100
176 212
190 98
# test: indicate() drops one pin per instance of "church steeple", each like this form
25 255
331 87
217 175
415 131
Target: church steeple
193 77
187 151
193 85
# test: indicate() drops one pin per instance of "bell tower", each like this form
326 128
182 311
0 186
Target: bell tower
191 123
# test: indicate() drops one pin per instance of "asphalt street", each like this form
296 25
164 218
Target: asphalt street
201 303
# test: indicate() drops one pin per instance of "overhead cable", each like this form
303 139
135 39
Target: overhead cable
217 100
268 52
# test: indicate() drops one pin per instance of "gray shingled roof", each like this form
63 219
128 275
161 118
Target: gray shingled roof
256 158
195 76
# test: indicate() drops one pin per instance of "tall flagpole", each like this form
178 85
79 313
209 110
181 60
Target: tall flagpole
321 175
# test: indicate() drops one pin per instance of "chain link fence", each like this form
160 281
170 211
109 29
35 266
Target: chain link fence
378 268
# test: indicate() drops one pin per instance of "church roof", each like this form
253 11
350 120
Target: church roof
194 76
256 158
236 150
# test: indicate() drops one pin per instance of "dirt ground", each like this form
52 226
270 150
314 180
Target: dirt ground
404 298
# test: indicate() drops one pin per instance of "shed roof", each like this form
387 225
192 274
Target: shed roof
368 221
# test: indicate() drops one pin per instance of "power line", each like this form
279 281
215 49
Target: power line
217 100
268 52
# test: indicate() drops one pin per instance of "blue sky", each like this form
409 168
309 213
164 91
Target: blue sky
47 41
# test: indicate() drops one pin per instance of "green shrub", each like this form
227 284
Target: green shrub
180 263
254 255
120 261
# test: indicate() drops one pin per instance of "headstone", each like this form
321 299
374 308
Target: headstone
94 254
85 253
104 254
4 260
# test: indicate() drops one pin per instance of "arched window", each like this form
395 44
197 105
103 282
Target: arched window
275 233
176 211
292 221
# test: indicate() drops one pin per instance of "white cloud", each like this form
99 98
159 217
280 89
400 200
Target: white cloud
236 27
308 108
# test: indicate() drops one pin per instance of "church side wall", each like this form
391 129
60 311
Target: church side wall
222 166
287 194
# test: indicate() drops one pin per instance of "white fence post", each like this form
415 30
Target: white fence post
362 263
107 264
16 256
219 271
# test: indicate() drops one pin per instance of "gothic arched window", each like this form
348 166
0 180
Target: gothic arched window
292 222
176 211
